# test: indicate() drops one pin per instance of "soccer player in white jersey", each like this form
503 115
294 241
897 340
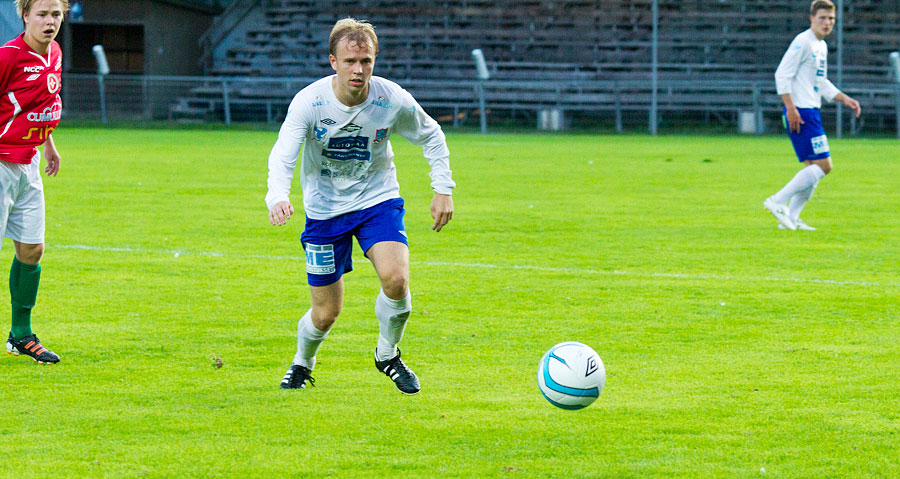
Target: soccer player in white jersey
801 80
344 123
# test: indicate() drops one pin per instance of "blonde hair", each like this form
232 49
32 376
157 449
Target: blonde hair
359 31
817 5
24 6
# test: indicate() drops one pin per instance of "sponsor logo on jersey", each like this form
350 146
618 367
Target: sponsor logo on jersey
380 135
382 102
52 83
352 155
319 102
47 115
328 121
33 77
34 69
349 143
351 127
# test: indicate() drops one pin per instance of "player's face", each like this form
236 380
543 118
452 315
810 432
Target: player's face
43 21
353 63
822 23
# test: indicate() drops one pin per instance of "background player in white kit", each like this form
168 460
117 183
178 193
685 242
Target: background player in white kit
801 80
350 189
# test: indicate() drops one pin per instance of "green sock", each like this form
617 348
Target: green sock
23 286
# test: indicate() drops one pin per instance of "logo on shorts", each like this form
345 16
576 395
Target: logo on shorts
320 259
819 144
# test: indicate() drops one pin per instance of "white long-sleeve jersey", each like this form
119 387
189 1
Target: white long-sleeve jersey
803 72
347 162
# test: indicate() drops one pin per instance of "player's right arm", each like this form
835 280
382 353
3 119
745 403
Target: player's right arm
784 79
283 160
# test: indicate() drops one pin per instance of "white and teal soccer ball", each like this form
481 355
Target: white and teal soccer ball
571 375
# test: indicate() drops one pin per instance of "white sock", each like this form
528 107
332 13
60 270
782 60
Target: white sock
798 201
802 180
392 315
308 340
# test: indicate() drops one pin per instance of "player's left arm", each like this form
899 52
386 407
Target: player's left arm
52 156
849 102
420 129
831 93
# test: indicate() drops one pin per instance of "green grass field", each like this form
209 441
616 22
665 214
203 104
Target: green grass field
732 349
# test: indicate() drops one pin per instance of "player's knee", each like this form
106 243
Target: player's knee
30 253
324 314
323 320
395 285
826 167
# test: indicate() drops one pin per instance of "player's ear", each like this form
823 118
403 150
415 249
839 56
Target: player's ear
333 61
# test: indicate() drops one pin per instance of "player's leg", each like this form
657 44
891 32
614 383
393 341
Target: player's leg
392 308
798 201
383 238
328 246
394 302
25 226
811 147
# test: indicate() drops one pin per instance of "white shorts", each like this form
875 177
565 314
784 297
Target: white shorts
22 197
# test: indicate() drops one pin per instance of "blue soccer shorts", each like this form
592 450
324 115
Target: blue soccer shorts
329 243
811 143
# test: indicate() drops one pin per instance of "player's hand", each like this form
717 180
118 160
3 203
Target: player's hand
794 120
852 104
441 210
53 160
280 213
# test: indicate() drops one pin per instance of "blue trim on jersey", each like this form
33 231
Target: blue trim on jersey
329 243
811 143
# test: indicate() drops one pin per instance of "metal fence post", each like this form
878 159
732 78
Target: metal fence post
897 107
226 104
102 98
618 108
479 87
757 110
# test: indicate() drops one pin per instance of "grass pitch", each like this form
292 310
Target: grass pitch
732 349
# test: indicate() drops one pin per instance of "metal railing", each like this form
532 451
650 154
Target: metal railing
624 104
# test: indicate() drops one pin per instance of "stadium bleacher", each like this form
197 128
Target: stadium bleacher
545 41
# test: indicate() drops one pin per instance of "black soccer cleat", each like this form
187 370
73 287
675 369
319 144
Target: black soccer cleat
296 377
31 346
403 377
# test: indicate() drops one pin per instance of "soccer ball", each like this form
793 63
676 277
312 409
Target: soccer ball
571 375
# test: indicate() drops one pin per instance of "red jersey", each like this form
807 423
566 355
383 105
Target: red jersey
30 106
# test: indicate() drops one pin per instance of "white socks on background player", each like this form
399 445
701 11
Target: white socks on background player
804 179
392 315
308 340
798 201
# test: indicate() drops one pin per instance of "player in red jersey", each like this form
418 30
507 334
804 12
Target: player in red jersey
30 109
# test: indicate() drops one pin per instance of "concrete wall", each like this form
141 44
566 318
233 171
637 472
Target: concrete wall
170 31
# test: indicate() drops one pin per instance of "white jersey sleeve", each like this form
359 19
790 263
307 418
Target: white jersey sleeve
283 157
420 129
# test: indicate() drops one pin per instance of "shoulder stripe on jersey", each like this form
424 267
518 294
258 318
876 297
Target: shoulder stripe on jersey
11 46
18 109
